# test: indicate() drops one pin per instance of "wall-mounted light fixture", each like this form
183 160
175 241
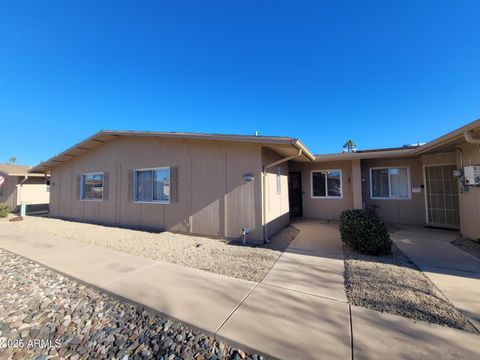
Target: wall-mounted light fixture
248 177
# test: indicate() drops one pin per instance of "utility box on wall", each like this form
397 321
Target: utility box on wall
471 175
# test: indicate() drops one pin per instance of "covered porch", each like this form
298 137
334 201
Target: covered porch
411 185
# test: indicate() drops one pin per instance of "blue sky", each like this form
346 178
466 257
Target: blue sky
382 73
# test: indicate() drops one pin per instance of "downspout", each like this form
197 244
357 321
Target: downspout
461 156
264 178
25 178
470 139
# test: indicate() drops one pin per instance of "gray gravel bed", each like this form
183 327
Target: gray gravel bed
393 284
44 315
470 246
217 256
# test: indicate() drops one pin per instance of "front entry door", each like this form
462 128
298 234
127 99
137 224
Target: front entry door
295 194
441 196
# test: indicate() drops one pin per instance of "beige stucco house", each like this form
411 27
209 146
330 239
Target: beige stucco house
219 185
19 185
215 185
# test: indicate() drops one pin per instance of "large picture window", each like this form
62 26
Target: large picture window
152 185
91 186
390 183
327 184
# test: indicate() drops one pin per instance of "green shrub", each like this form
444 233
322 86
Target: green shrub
4 210
363 231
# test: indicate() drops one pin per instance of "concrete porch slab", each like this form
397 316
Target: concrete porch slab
197 297
289 325
424 232
317 236
383 336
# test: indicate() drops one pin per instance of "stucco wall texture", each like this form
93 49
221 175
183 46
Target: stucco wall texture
17 189
469 201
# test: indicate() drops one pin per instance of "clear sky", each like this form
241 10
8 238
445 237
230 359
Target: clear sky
384 73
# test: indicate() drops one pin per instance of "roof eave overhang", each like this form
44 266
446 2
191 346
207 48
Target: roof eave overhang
446 139
106 135
305 152
27 174
361 155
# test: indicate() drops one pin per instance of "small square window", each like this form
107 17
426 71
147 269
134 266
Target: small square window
91 187
152 185
389 183
327 184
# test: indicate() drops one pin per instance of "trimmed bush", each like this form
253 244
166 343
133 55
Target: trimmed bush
4 210
363 231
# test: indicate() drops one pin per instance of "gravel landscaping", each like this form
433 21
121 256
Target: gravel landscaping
393 284
467 245
45 315
218 256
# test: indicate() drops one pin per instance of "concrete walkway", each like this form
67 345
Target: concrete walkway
455 272
298 311
383 336
199 298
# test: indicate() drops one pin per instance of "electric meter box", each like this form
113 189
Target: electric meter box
471 175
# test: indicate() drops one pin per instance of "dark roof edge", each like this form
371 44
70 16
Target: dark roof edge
270 140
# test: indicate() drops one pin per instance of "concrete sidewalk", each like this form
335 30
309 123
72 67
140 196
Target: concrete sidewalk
298 311
455 272
199 298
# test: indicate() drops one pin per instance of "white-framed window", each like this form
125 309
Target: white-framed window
152 185
278 179
91 186
326 184
390 183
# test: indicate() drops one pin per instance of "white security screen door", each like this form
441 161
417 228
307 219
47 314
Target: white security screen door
441 195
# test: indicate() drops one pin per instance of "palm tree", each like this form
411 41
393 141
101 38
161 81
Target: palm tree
349 146
12 160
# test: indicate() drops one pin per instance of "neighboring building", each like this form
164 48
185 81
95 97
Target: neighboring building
217 185
18 185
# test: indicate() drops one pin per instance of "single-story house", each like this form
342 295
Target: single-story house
18 185
220 185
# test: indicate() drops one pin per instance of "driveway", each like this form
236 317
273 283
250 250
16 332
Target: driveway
298 310
455 272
